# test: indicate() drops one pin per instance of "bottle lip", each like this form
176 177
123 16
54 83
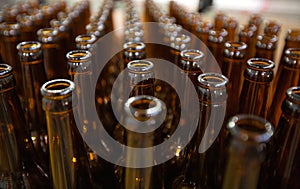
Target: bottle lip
10 28
134 46
293 53
250 128
140 66
47 32
29 46
235 45
214 80
154 106
293 94
193 55
260 64
57 88
5 70
266 41
86 38
78 56
217 35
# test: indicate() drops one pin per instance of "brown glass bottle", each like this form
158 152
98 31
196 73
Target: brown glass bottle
134 174
53 53
18 166
266 46
247 35
178 43
216 41
10 38
257 20
288 75
34 76
203 167
255 94
68 157
284 153
220 21
202 30
233 66
231 27
249 135
27 28
80 72
272 28
85 41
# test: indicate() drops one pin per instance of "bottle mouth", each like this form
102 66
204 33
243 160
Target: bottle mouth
134 46
29 46
266 41
78 55
293 94
250 128
5 69
235 46
86 38
140 66
47 32
57 87
262 64
293 53
143 107
192 55
213 80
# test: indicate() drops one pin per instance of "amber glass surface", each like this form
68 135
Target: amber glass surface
34 76
266 46
288 75
248 36
19 166
233 66
255 95
282 170
246 152
68 157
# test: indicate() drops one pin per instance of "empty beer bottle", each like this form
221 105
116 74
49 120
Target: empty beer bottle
288 75
283 171
255 94
216 41
68 158
266 46
202 30
27 28
142 112
257 20
34 76
53 53
248 36
231 27
19 166
80 72
202 169
246 152
272 28
220 21
85 41
233 66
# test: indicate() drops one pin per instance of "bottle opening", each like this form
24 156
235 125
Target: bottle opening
29 46
293 52
250 128
134 46
57 87
236 45
88 38
5 69
191 55
260 64
76 55
140 66
212 80
143 107
293 94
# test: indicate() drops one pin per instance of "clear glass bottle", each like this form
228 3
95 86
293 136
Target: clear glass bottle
249 135
19 167
202 169
68 157
34 76
283 170
288 75
255 94
233 66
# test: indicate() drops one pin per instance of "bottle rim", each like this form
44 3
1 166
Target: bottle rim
293 94
235 45
29 46
252 128
214 80
134 46
260 64
294 53
151 107
5 69
78 56
193 55
140 66
57 88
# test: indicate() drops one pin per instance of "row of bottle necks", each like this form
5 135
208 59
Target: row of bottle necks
162 90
